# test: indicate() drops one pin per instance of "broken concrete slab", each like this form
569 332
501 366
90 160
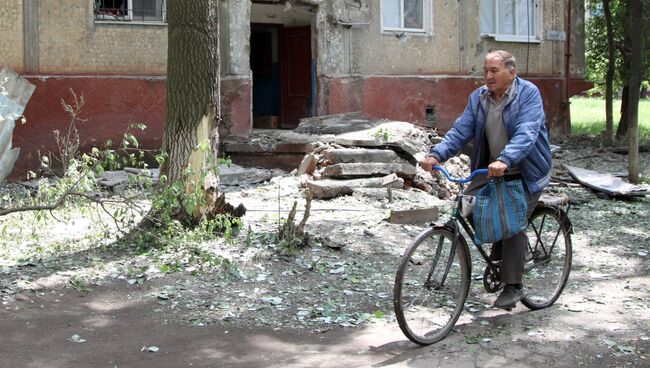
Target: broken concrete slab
334 124
357 170
115 181
404 138
150 173
237 175
274 147
409 141
605 183
359 155
308 164
118 180
330 188
414 216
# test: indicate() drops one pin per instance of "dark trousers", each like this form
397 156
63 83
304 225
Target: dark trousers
512 249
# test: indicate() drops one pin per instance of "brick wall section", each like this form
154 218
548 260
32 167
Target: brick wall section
11 34
70 42
406 98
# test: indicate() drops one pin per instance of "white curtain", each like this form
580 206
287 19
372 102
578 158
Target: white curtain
508 24
486 16
506 17
525 17
390 12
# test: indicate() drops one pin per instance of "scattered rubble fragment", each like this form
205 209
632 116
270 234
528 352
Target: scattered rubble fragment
605 183
419 215
330 188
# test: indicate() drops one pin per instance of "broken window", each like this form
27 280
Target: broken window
510 20
130 10
402 15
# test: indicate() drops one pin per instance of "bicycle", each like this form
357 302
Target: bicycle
433 278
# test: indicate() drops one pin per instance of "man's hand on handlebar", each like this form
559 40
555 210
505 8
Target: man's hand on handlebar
428 163
497 168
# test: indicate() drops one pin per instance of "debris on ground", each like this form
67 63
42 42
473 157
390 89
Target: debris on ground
343 278
229 175
605 183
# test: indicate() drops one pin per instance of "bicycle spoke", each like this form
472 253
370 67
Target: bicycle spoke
431 286
548 260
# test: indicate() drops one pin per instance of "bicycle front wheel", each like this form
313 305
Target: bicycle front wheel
431 285
548 257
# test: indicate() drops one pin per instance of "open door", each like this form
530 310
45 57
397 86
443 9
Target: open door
295 75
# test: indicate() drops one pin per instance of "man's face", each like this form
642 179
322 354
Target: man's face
497 76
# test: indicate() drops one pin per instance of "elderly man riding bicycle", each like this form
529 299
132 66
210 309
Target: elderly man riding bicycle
505 120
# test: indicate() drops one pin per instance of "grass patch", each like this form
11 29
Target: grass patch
588 116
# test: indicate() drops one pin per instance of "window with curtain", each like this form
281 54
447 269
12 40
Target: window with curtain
510 20
402 15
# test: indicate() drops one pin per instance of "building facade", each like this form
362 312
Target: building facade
408 60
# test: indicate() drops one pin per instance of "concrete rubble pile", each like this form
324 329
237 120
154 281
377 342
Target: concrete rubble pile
357 152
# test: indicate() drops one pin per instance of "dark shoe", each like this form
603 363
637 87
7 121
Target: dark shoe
509 297
495 252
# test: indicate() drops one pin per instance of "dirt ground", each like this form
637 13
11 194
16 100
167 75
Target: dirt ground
80 302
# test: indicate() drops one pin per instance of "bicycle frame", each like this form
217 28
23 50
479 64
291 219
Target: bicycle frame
457 218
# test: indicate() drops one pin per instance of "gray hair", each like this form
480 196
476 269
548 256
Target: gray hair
507 58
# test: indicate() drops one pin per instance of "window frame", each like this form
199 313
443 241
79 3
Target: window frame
536 29
402 28
128 18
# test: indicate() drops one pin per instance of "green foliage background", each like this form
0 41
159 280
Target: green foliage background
596 43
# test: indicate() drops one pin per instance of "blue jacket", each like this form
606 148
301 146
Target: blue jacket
524 120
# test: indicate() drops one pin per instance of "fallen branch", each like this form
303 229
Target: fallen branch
58 203
625 149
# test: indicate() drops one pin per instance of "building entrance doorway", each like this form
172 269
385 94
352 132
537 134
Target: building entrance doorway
282 65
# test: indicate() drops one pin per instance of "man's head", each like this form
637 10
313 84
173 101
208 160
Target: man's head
499 71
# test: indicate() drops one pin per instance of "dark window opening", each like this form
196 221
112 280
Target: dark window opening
430 118
130 10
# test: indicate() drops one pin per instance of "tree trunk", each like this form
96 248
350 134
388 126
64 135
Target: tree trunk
609 76
193 98
635 28
621 131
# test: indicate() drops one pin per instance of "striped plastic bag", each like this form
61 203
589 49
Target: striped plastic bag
499 210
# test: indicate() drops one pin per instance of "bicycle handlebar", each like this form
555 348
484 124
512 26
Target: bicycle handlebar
460 180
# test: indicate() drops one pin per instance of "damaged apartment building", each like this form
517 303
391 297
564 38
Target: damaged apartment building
404 60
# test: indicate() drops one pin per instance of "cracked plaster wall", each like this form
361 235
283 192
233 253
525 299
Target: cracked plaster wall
452 44
70 41
239 31
11 29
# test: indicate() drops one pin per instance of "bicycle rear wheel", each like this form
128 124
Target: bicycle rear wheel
431 285
548 257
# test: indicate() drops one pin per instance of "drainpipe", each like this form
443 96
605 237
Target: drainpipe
567 76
